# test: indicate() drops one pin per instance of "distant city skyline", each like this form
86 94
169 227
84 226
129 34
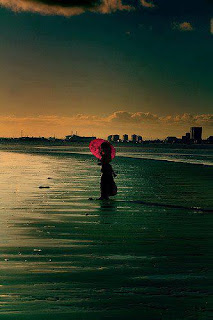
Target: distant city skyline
190 138
148 125
192 133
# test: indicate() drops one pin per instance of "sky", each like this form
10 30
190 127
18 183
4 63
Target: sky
103 67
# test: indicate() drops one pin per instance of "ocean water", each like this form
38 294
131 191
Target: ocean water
144 254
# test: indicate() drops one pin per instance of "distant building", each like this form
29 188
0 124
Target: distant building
115 137
210 140
186 139
134 138
33 139
188 135
75 138
125 138
196 134
171 140
51 138
140 139
109 138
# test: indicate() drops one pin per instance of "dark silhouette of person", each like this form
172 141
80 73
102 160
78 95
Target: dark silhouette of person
108 186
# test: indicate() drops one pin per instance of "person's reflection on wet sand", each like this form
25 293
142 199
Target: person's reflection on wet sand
108 210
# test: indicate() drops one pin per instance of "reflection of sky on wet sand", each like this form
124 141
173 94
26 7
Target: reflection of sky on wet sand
61 253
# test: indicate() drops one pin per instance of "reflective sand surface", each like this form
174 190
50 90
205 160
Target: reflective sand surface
65 257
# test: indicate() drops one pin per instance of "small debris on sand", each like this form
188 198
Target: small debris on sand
44 187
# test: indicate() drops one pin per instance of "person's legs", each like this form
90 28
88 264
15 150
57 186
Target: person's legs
104 189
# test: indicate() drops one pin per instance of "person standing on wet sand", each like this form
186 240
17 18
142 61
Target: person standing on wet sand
107 185
105 152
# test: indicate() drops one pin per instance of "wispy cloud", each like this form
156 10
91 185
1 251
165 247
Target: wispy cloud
65 7
148 4
118 116
142 117
124 116
182 26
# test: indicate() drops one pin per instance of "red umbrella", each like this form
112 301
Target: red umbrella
95 148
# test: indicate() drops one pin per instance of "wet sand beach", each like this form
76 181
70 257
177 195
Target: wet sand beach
65 257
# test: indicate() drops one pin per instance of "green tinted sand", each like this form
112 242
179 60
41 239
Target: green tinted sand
65 257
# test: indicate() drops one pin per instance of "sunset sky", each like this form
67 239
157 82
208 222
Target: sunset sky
106 66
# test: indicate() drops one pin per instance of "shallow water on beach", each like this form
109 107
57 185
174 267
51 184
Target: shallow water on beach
144 254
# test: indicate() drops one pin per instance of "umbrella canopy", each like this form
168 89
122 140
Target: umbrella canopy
95 148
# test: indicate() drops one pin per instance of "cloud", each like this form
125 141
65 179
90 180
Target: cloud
147 4
183 26
189 119
147 117
65 7
141 117
120 116
124 116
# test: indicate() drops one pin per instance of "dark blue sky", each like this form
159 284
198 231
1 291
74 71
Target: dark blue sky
156 60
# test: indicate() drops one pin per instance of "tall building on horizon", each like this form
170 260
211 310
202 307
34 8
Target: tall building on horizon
196 134
140 139
188 135
134 138
125 138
